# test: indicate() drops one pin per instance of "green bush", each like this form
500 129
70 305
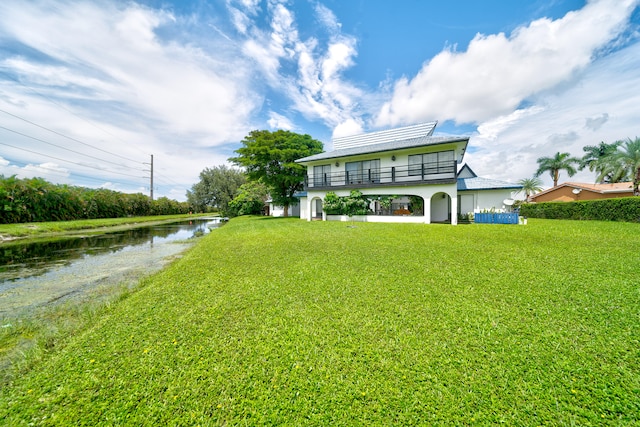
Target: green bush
353 204
36 200
625 209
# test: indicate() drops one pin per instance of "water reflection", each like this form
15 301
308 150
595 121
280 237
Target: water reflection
33 259
38 273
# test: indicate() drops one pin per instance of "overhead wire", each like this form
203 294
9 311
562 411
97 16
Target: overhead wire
157 176
67 161
64 148
68 137
47 171
66 109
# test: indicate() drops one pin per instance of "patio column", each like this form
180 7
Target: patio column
454 209
427 209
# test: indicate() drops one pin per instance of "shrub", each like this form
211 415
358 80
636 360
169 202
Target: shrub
620 209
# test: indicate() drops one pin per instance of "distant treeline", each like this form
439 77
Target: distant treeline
36 200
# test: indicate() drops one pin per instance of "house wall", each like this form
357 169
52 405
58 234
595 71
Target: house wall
427 192
565 194
387 159
488 199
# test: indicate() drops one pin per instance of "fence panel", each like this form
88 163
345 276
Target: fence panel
495 218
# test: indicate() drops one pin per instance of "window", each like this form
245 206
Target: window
321 175
364 171
431 163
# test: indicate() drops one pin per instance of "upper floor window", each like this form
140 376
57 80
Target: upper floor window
432 163
321 175
364 171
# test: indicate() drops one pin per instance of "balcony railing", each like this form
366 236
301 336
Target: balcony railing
440 173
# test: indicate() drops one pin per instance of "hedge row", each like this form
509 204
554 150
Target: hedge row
625 209
36 200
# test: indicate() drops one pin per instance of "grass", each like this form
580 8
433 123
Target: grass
46 229
285 322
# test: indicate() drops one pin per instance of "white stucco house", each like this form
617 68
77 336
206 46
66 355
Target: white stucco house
420 170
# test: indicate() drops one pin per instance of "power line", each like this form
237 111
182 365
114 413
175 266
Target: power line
68 137
47 171
67 161
64 108
64 148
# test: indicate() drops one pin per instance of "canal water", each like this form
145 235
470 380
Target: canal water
39 274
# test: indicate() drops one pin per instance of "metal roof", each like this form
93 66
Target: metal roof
389 135
421 141
479 183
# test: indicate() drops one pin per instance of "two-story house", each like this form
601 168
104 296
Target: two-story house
418 169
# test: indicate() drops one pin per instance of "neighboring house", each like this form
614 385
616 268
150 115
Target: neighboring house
573 191
476 193
419 169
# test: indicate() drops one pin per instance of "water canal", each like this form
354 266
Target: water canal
39 274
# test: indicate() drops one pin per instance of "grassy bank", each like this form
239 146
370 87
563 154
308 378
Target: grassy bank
9 232
280 321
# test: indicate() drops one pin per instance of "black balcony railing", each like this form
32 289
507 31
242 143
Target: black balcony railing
437 173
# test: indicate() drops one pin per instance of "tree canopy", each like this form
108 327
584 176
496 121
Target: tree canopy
270 157
624 163
596 159
217 187
553 165
250 200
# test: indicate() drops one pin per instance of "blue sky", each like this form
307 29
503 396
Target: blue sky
90 89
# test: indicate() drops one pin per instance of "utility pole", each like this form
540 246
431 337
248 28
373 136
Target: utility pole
150 170
151 187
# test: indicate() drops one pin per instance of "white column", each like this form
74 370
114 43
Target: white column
454 209
427 209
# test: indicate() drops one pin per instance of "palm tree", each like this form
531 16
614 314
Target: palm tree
624 163
595 159
553 165
530 186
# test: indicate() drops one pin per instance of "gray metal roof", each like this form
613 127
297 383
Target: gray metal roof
479 183
421 141
397 134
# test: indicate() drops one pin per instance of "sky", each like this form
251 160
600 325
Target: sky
90 90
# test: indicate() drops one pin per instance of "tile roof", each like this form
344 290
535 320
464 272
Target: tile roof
619 187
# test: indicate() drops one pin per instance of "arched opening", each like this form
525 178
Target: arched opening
316 208
440 207
397 205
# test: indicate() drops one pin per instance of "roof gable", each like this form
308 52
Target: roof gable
466 172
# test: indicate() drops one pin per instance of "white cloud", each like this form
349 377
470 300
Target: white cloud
278 121
348 128
507 147
498 72
114 54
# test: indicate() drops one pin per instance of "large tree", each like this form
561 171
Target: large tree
270 157
624 163
217 187
595 159
553 165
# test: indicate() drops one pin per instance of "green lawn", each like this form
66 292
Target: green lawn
285 322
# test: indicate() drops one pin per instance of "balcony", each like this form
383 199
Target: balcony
440 173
